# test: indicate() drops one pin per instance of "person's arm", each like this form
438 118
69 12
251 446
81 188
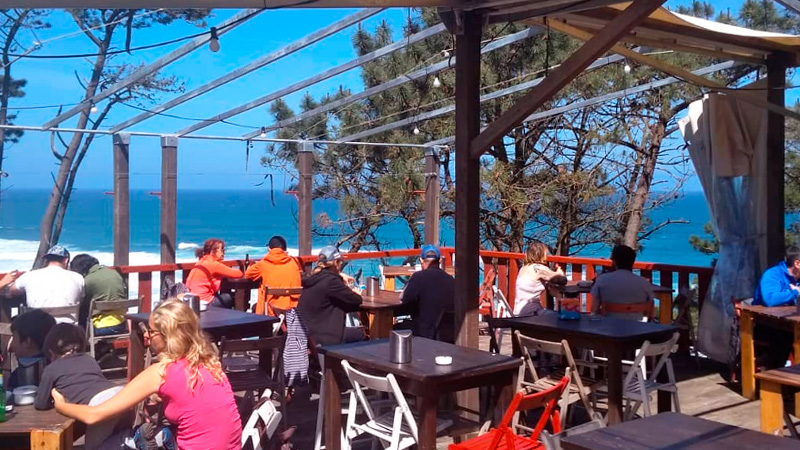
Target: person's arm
545 274
8 279
344 297
227 272
42 400
253 272
141 387
19 283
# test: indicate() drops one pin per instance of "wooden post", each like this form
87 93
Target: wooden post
122 200
169 197
775 162
431 196
304 166
468 195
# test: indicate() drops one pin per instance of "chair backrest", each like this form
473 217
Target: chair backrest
99 307
387 384
644 308
660 352
72 311
500 307
263 422
529 344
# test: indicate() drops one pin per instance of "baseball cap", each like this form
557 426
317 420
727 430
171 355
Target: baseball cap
59 251
329 253
430 252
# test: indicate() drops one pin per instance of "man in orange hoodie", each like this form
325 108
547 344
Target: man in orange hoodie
276 270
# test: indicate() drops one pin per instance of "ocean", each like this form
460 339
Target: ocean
246 219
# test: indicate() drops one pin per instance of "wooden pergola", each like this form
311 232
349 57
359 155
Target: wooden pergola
604 25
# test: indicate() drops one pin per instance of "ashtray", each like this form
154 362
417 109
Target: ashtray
444 360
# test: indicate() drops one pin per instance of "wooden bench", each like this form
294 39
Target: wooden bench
773 414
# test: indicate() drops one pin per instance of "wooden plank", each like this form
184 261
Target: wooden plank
748 356
169 198
774 222
146 291
794 5
222 4
223 28
771 408
57 438
590 275
258 63
122 200
305 159
513 272
502 276
564 74
665 304
432 191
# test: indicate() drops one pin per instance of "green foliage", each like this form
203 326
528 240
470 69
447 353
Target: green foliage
708 245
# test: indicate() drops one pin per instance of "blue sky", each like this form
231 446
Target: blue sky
202 164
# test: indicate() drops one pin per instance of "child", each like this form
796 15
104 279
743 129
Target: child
77 376
29 331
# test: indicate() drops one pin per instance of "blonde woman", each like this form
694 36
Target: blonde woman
531 279
188 378
326 300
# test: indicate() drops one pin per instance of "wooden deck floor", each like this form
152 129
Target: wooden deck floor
702 393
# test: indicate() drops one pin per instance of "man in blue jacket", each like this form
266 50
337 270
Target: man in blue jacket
780 284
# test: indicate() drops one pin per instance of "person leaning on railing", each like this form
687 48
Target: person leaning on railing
531 281
276 270
207 275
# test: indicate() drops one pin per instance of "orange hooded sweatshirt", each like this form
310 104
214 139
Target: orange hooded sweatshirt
276 270
206 277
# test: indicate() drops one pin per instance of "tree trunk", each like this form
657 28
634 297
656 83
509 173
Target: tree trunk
637 206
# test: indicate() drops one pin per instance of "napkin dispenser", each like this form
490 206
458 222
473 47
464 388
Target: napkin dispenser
373 286
400 347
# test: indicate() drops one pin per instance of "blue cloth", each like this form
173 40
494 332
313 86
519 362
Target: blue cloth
774 289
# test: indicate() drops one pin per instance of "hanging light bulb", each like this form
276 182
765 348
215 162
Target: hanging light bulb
213 43
436 82
93 108
627 68
416 130
263 131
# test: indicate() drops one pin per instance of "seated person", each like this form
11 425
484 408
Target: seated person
276 270
779 286
428 298
207 275
100 284
326 300
29 331
531 281
621 285
52 285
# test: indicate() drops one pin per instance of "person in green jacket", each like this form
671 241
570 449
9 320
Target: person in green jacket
100 284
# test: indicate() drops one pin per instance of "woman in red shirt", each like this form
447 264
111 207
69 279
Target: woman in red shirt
206 277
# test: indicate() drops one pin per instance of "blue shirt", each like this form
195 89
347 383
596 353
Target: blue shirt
774 289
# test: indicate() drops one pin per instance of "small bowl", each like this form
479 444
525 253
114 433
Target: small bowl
24 395
444 360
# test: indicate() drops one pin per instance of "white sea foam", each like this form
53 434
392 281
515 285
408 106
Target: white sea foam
187 246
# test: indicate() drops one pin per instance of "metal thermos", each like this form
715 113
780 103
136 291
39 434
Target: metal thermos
194 302
400 347
373 286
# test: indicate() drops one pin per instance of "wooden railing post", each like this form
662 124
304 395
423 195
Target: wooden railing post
122 200
305 159
590 275
432 196
146 291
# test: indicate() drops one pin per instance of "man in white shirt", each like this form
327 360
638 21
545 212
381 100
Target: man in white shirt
52 285
621 285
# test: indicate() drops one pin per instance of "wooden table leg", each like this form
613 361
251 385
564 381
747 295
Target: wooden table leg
135 351
748 357
771 408
59 438
615 380
796 352
380 323
241 299
333 406
429 404
504 391
265 356
664 307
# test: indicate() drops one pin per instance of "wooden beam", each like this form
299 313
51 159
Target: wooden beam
258 63
564 74
122 200
169 198
658 64
231 4
305 159
432 188
224 27
793 5
775 165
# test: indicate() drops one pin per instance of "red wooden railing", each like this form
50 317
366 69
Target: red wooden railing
506 263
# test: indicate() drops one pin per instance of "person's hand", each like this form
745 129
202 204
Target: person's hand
794 288
559 270
9 278
58 399
154 399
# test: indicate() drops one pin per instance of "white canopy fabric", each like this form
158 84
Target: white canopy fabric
727 143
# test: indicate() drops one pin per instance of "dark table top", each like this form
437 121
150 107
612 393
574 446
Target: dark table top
239 283
600 327
672 431
217 318
577 287
467 362
381 300
786 313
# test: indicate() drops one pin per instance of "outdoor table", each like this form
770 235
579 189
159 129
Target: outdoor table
471 368
662 293
378 312
670 431
217 322
771 386
610 335
390 274
240 289
28 428
782 317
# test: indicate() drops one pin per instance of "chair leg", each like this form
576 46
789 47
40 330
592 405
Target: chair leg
320 415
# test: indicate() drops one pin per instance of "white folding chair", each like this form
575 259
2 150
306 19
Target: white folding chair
268 416
637 387
104 307
396 429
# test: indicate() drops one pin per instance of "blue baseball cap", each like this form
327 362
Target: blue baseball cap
430 252
58 251
329 253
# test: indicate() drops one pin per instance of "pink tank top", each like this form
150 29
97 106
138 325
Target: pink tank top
204 419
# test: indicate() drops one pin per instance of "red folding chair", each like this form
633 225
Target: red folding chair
503 437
